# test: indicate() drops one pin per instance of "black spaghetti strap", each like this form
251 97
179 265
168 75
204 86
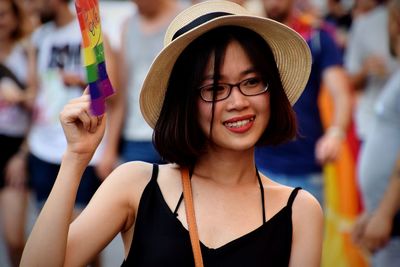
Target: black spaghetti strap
292 196
262 195
154 174
178 204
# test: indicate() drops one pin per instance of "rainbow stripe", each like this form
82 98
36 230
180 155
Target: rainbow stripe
93 54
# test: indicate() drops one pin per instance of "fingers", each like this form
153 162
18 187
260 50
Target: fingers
86 91
327 149
359 228
84 98
78 111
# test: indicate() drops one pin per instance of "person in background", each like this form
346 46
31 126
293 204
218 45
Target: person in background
299 162
378 228
368 61
211 94
31 11
141 40
17 90
62 77
340 16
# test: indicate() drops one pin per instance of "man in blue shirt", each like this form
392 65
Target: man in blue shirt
299 162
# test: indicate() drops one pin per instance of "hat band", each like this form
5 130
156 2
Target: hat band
197 22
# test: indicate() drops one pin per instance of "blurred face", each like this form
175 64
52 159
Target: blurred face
278 10
8 20
32 6
47 9
147 7
239 120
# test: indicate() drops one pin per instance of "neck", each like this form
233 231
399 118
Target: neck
228 168
64 16
5 47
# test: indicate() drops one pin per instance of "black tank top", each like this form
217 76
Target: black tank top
161 240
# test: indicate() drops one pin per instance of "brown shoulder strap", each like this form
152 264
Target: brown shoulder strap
191 218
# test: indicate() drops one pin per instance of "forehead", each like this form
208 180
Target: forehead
235 61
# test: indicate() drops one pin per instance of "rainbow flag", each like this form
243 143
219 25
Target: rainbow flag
93 54
342 200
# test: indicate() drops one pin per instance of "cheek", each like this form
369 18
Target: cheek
205 110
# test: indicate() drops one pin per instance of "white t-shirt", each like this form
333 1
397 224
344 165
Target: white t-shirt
58 48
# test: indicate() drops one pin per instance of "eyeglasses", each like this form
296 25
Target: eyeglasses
220 91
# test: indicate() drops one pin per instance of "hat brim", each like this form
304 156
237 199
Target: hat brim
291 52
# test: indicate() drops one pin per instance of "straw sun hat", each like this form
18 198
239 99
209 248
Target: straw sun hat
291 52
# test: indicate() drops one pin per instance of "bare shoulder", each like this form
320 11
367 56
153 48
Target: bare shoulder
307 216
130 179
305 205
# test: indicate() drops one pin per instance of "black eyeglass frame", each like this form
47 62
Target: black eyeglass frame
231 86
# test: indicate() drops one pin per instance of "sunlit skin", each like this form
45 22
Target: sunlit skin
254 110
226 191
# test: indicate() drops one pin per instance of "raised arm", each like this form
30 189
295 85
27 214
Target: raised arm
54 240
47 242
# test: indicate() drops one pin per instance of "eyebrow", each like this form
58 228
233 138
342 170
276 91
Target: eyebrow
245 72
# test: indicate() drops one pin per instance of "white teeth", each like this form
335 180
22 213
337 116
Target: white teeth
238 124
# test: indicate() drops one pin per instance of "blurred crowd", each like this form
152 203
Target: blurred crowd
355 45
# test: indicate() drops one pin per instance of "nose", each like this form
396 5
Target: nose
236 99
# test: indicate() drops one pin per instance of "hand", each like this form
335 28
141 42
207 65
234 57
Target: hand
376 66
10 92
377 232
328 148
359 227
83 131
15 172
29 100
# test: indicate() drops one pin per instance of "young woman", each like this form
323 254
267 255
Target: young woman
17 86
223 84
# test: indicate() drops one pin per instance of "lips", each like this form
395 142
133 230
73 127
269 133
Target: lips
239 124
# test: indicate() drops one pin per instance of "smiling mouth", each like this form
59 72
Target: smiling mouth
238 124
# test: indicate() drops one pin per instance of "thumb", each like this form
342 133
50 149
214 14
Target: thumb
86 91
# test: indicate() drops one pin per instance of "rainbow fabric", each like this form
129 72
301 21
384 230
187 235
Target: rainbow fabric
342 200
93 54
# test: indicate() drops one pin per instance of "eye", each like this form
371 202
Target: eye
221 87
251 82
